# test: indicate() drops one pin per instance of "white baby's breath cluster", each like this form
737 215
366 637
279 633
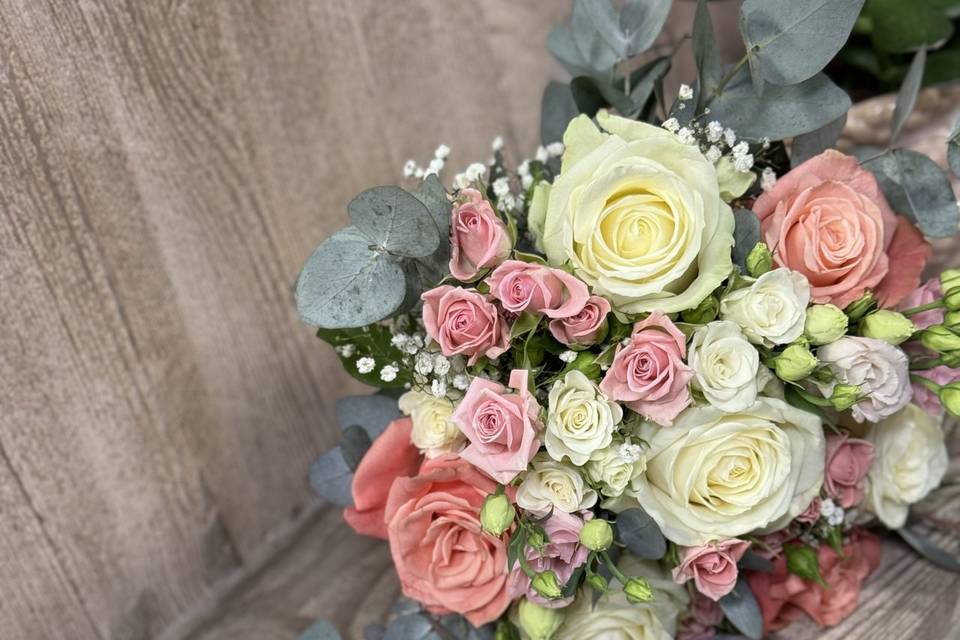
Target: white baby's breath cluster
412 170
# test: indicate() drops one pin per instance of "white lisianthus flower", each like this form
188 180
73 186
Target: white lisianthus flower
580 419
772 310
909 461
551 484
881 370
612 471
725 366
716 475
638 216
434 433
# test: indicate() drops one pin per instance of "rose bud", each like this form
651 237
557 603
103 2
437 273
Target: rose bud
638 590
888 326
497 514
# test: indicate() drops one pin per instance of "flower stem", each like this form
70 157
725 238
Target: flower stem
927 382
930 306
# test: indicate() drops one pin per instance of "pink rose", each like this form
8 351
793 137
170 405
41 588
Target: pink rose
585 327
924 397
812 513
525 286
703 616
502 428
443 558
391 456
713 567
562 554
478 237
926 294
828 220
464 321
848 460
648 374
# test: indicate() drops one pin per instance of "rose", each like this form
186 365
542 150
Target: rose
714 475
612 472
880 370
525 286
785 598
848 460
584 328
772 310
828 219
648 373
464 321
502 428
638 216
580 419
926 294
725 366
478 237
553 485
712 567
434 433
389 457
443 558
909 461
562 555
812 513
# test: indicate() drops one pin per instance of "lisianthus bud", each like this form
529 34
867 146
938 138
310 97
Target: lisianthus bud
795 363
950 397
506 631
497 514
638 590
951 299
844 396
537 622
940 339
950 359
952 319
825 323
859 308
598 583
536 539
888 326
547 584
949 279
596 535
704 312
759 260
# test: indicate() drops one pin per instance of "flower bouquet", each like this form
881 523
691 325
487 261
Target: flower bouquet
662 379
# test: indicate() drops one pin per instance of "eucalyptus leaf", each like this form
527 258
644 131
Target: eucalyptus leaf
643 82
320 630
751 561
900 26
593 24
953 149
561 44
557 109
372 412
331 477
396 221
374 631
347 284
746 235
929 549
808 145
641 21
434 197
354 445
705 52
907 97
919 189
414 626
792 40
641 535
742 610
591 95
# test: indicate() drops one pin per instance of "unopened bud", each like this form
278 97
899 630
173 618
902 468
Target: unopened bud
951 299
950 397
795 363
952 319
536 539
598 583
704 312
844 396
596 535
859 308
888 326
802 561
759 260
538 622
547 585
940 339
949 279
497 514
638 590
825 323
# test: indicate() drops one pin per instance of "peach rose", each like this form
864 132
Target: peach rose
713 567
478 237
848 460
443 558
525 286
464 321
828 220
585 327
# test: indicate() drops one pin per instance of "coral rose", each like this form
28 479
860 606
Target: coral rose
463 321
478 237
525 286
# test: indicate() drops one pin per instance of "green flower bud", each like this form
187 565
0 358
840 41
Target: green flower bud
940 339
950 359
950 279
537 539
506 631
859 308
888 326
952 319
951 300
802 561
638 590
759 260
704 312
537 622
950 398
497 514
598 583
844 396
795 363
547 584
596 535
825 324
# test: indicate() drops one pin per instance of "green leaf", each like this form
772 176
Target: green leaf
524 324
644 80
953 149
372 412
640 534
900 26
396 221
746 235
591 94
942 67
907 97
561 44
742 610
320 630
929 549
346 283
641 21
557 109
369 341
331 477
919 189
705 52
593 24
434 197
808 145
792 40
802 561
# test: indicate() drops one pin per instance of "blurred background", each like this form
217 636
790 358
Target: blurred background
167 166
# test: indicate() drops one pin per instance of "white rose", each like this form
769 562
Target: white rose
434 433
551 484
714 475
772 310
725 366
909 461
580 419
881 370
612 471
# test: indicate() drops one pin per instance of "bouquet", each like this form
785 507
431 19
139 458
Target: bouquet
663 379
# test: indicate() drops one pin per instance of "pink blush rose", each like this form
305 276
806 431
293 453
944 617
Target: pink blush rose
501 427
443 558
562 555
848 460
812 513
926 294
713 567
478 237
648 374
463 321
585 327
524 286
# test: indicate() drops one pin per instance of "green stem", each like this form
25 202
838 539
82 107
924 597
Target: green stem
730 74
928 383
930 306
812 399
926 365
613 568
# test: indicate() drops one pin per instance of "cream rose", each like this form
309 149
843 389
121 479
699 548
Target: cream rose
725 366
433 431
550 484
716 475
638 215
909 460
880 370
772 310
616 468
580 419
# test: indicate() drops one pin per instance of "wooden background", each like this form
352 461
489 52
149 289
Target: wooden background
166 166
